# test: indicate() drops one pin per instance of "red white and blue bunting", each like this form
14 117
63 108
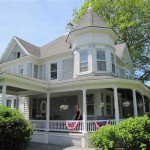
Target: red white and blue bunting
100 124
71 124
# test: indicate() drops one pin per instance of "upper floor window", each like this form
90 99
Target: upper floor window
101 61
84 61
35 71
20 69
18 54
113 63
53 71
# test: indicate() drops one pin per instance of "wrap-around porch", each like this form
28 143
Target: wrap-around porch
98 107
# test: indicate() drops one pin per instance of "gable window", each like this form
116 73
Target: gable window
20 69
101 60
35 71
84 61
113 63
18 54
53 71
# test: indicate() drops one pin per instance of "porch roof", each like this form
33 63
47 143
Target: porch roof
89 82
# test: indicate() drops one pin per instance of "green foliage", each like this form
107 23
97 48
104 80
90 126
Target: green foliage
133 133
131 21
104 137
15 131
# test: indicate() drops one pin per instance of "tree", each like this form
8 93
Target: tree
131 21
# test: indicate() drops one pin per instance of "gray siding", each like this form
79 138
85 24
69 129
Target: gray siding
67 69
29 69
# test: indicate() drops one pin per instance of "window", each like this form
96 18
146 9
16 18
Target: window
18 54
35 71
90 104
84 61
16 103
20 69
9 103
53 71
108 105
113 63
101 61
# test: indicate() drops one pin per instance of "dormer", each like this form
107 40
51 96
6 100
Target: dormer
18 48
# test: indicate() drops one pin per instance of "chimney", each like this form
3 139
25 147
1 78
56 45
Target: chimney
69 27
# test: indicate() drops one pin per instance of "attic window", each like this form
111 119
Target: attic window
18 54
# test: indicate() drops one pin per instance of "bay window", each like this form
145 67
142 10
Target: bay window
83 61
113 63
101 60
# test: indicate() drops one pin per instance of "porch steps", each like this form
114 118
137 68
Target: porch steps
59 138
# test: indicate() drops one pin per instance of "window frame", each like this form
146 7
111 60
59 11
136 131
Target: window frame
113 66
101 61
81 66
54 71
20 67
35 74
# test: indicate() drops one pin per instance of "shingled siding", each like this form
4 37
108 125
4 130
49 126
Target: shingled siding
29 70
67 69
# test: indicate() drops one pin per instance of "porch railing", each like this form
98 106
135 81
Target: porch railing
60 125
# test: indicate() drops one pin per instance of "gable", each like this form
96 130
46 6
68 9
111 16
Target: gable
16 53
123 53
13 51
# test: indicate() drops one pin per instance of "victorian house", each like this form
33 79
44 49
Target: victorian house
83 66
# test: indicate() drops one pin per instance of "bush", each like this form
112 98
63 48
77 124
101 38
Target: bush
133 133
15 131
104 137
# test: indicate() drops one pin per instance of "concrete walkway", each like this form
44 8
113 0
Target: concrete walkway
40 146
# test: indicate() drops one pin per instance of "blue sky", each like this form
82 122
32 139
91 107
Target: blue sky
36 21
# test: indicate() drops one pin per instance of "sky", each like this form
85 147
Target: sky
36 21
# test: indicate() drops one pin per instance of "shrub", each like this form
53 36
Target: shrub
104 137
133 133
15 131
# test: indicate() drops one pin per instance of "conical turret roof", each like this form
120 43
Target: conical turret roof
91 19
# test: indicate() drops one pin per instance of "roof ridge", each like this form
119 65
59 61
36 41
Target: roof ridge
25 41
31 48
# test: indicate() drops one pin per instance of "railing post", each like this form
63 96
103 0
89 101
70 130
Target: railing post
116 105
47 111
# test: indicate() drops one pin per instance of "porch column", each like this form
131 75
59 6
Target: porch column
84 111
4 95
134 103
143 103
47 112
116 105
